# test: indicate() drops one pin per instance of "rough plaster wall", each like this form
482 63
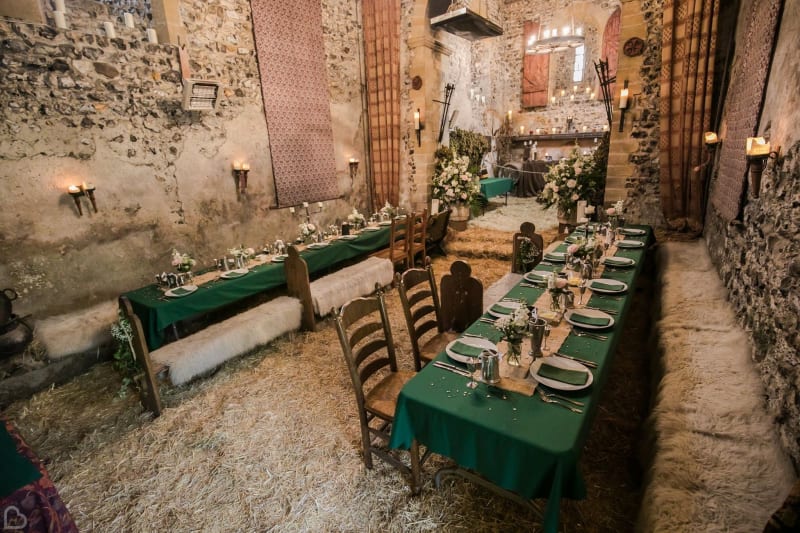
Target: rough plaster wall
77 106
759 257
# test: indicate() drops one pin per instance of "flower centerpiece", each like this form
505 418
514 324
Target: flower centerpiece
556 287
583 250
572 179
453 184
183 262
615 213
388 211
514 328
307 231
356 218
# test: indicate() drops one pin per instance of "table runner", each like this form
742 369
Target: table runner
158 313
519 443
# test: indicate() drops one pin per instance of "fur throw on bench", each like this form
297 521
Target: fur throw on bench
335 290
77 332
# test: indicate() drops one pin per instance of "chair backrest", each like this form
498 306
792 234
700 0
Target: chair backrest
528 248
398 240
461 297
366 339
151 398
420 300
437 227
417 230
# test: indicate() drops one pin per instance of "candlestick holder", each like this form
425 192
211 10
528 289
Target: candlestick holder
240 172
85 189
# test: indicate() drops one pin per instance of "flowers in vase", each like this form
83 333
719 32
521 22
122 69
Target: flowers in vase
356 218
183 262
572 179
388 211
515 325
307 230
556 287
452 182
617 210
241 251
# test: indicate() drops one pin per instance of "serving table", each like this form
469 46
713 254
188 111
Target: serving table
491 187
518 442
157 313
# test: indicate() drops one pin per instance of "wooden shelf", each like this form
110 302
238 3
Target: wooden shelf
574 135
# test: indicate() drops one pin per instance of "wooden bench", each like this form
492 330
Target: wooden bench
334 290
196 354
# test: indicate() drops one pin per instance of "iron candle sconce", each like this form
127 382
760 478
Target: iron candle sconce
623 105
84 189
418 126
240 171
758 151
353 168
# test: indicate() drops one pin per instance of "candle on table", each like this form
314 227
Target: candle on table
509 115
522 130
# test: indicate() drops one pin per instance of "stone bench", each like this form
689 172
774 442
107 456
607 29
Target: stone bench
335 289
200 352
716 463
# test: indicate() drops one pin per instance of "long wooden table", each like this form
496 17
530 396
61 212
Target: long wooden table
518 443
158 313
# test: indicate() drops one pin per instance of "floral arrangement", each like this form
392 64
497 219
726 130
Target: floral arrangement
452 182
617 210
514 327
241 251
356 218
574 178
307 230
183 262
124 361
556 287
388 210
583 248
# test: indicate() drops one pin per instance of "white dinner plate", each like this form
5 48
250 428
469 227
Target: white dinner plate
615 261
625 243
348 237
385 223
318 245
510 305
470 341
555 257
233 274
180 292
537 276
620 286
560 362
371 228
632 231
279 258
593 313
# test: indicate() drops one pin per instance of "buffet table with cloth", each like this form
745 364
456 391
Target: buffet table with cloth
28 499
531 180
492 187
518 442
158 313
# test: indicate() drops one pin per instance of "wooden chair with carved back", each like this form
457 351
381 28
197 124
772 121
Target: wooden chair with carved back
461 297
420 301
528 249
398 249
417 231
366 339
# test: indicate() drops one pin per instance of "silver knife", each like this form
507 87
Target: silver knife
439 364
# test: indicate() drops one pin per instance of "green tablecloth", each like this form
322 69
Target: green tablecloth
157 314
520 443
492 187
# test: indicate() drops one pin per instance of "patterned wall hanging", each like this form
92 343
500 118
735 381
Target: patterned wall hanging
294 86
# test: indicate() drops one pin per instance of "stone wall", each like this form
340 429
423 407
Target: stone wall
758 257
77 106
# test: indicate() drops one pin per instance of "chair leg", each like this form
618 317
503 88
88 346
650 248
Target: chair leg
366 444
415 468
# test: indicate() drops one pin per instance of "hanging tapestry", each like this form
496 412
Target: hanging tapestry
294 86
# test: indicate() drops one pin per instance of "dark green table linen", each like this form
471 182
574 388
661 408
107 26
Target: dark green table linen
157 314
520 444
491 187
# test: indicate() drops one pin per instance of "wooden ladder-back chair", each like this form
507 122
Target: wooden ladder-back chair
417 231
437 231
420 300
461 297
151 398
366 339
397 252
527 230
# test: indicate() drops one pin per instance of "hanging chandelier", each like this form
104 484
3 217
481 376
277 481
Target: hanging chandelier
555 39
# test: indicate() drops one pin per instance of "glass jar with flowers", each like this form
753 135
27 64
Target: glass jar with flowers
356 219
556 288
514 328
182 262
307 232
577 177
453 185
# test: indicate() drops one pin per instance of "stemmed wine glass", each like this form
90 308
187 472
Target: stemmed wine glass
547 329
582 290
472 365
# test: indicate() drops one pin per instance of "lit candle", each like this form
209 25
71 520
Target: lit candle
592 95
416 119
245 166
605 127
553 99
483 100
509 115
128 20
588 90
584 128
471 94
710 137
109 29
554 130
319 204
563 92
60 6
757 146
152 36
574 88
353 160
522 130
74 189
572 97
237 165
60 20
305 204
291 210
538 131
623 98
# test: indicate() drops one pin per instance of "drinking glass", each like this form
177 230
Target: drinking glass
582 289
547 329
472 365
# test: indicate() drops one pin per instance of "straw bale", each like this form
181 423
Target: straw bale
271 442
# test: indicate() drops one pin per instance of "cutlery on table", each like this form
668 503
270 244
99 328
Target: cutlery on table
486 320
473 335
584 362
451 368
547 399
562 398
594 336
609 311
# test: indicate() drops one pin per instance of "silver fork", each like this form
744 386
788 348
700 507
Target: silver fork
589 335
547 399
562 398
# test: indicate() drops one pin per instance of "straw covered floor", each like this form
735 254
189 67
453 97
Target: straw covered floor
271 442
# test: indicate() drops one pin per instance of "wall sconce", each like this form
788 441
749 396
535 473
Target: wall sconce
418 126
84 189
240 171
758 151
623 105
570 119
353 167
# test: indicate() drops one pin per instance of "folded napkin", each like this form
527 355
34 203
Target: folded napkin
465 349
605 286
502 310
617 261
564 375
555 256
629 244
589 320
536 277
631 231
180 291
232 274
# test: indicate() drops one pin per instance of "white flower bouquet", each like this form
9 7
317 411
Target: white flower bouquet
356 218
307 230
570 180
453 183
183 262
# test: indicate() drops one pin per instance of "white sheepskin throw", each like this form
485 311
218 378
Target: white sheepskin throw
717 462
499 288
208 348
77 332
335 290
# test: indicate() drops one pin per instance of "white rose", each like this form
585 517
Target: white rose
571 183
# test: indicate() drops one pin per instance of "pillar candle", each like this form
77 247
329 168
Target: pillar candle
60 6
581 209
109 29
128 20
152 36
60 20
